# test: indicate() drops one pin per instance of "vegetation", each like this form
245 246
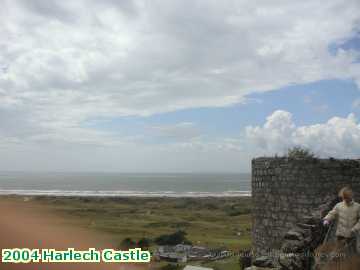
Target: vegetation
144 243
171 267
298 152
172 239
212 222
127 243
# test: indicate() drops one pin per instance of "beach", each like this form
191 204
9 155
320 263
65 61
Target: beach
96 184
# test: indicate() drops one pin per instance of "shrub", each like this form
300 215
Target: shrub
171 267
300 152
178 237
144 243
237 210
127 243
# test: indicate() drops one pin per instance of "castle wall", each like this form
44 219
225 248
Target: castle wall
284 190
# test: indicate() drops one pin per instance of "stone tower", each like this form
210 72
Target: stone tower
285 189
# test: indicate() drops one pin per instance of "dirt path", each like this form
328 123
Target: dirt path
333 256
25 225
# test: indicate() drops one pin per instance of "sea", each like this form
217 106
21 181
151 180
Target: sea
126 184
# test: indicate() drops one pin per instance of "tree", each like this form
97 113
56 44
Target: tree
178 237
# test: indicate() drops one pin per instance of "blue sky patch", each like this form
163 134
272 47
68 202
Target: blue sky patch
309 103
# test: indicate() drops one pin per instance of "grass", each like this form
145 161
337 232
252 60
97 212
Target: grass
212 222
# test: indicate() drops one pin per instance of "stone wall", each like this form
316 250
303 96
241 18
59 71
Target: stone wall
285 190
299 244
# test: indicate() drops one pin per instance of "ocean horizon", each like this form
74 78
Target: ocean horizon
125 184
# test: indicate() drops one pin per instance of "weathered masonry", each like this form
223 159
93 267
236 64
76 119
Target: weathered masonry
284 190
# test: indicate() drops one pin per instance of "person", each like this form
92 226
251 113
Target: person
347 215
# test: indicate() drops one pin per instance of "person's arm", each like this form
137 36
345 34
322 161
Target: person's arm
332 214
356 227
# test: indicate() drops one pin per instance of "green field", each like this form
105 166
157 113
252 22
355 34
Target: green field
212 222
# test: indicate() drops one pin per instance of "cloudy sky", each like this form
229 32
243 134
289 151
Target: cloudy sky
179 85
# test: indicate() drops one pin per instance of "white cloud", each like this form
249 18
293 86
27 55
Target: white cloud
77 60
82 154
66 62
179 131
338 137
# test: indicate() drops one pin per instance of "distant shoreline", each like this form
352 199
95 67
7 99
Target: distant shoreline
124 194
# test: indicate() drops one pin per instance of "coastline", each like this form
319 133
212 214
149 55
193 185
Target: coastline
140 194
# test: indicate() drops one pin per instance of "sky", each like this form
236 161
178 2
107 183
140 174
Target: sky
178 85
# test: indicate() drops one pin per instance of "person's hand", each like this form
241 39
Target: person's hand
326 222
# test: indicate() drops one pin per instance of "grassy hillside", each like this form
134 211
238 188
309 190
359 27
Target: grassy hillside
208 221
212 222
